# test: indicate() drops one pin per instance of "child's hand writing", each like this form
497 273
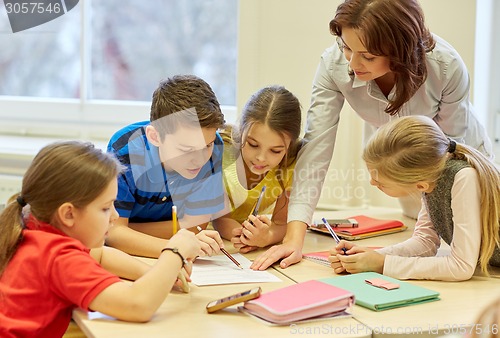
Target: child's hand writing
335 262
210 242
344 247
360 259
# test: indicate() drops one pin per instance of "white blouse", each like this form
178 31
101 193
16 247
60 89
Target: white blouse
444 97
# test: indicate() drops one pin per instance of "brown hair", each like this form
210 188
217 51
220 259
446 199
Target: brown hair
413 148
394 29
280 110
190 96
61 172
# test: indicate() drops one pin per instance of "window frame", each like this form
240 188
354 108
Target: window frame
80 118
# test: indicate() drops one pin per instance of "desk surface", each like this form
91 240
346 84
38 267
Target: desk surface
457 309
185 315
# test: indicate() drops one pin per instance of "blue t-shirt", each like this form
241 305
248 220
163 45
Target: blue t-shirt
146 192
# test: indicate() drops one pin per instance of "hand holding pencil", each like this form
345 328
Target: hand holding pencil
221 246
255 230
210 241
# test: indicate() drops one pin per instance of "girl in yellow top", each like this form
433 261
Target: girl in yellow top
261 151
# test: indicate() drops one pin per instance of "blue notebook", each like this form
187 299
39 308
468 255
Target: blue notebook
378 298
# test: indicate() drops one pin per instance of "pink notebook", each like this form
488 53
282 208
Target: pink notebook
300 301
320 257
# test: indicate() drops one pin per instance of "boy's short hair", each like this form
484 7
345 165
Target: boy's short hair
189 94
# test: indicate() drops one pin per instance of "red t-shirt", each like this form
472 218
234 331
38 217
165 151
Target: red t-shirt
49 275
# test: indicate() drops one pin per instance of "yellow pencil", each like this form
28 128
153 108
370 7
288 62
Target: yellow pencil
175 225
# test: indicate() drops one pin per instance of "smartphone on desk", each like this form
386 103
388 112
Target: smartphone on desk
219 304
339 223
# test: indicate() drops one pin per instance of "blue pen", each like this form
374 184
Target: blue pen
334 235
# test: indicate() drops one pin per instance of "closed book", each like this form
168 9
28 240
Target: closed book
378 298
300 301
367 227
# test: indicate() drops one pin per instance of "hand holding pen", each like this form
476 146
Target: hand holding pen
255 228
221 247
334 235
256 207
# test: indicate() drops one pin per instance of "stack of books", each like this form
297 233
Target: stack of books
365 227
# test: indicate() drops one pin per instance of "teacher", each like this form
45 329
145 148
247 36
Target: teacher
386 64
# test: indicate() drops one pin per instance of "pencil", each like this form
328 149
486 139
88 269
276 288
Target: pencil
334 235
225 252
175 224
231 258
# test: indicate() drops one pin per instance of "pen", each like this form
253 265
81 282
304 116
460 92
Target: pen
255 210
174 220
334 235
228 255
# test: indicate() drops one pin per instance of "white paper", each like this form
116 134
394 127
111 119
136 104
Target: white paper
220 269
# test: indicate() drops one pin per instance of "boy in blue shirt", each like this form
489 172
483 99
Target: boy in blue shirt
173 159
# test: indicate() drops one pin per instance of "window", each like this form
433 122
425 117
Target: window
137 43
487 70
98 64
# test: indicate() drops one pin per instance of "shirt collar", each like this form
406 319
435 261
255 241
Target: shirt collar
34 224
356 83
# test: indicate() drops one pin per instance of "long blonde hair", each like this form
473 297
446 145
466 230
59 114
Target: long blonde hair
413 148
61 172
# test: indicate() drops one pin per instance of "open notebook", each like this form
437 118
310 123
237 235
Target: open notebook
378 298
367 227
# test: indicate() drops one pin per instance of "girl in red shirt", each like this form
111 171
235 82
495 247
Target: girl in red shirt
65 208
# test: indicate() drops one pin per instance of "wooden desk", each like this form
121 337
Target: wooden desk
184 315
455 313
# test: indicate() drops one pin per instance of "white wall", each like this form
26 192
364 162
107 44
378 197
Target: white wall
280 42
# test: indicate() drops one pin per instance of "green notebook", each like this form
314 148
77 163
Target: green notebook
378 299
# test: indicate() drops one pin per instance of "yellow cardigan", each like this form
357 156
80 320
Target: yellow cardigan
242 200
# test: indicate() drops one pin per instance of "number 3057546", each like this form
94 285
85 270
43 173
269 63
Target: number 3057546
32 7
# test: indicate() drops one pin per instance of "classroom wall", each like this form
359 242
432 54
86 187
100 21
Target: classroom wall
280 42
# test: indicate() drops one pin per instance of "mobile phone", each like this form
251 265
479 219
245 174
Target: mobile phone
339 223
218 304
